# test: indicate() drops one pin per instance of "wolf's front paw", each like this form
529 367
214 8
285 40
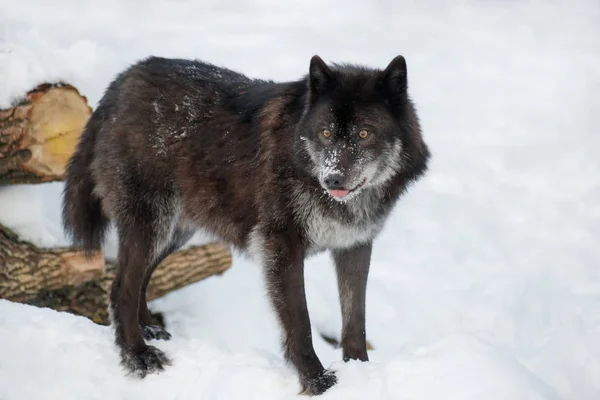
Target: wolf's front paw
148 360
155 332
319 384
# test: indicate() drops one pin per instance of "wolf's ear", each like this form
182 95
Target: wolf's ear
320 76
393 79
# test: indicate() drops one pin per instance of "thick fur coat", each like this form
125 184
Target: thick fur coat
279 170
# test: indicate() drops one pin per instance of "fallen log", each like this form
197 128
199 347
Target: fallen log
62 279
39 134
26 269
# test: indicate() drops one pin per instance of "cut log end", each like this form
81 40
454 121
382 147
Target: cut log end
39 135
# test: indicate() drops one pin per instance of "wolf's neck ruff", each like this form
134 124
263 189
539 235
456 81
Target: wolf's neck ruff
332 224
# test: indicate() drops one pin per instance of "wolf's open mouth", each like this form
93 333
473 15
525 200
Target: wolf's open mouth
343 193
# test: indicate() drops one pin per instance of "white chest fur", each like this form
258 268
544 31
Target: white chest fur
324 232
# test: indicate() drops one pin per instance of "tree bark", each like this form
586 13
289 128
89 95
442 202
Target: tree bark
64 280
26 269
38 136
182 268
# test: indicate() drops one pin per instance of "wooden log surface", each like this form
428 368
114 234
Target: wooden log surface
64 280
39 134
182 268
26 269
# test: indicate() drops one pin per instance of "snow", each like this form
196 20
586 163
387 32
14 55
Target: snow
485 282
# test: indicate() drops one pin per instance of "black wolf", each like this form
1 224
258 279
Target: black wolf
279 170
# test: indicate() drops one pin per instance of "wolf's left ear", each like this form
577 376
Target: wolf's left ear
393 79
320 76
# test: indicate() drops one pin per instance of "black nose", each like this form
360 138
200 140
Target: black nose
334 181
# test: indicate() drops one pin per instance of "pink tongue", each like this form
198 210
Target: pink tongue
339 193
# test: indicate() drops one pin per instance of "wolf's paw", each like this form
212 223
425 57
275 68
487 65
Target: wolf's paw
148 360
319 384
155 332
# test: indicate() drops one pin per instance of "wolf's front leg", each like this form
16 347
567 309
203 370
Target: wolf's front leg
352 266
283 259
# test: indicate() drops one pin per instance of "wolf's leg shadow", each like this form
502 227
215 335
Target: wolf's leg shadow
352 267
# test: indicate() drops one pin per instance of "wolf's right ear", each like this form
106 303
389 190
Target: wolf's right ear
320 76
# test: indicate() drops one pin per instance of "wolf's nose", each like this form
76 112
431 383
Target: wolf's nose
334 181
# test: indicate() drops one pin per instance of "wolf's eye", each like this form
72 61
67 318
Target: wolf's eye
326 133
363 134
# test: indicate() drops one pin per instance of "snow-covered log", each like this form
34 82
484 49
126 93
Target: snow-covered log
39 134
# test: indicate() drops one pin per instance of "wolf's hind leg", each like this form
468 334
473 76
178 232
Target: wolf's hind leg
143 230
150 328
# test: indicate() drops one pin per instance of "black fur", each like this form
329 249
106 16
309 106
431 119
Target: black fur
178 145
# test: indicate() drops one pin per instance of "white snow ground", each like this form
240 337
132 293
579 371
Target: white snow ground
485 283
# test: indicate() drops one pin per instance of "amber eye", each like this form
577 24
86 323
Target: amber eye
326 133
363 134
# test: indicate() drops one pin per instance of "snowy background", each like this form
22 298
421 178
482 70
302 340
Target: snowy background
485 284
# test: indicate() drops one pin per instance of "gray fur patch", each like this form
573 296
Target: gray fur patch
255 247
391 163
155 332
167 214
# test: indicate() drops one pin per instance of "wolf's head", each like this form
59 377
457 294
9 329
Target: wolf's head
357 126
